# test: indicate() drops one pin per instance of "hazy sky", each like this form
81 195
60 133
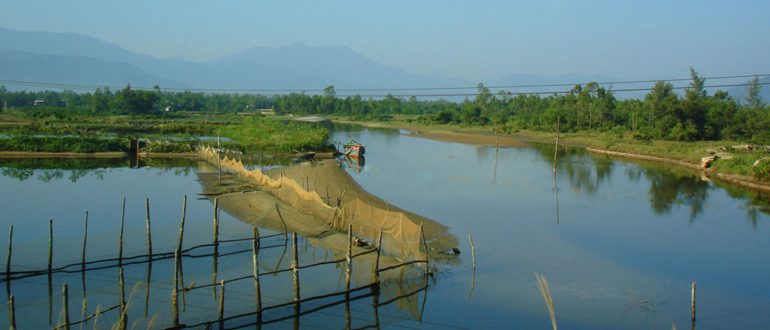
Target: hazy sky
478 40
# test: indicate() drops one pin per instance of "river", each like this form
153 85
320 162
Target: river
619 242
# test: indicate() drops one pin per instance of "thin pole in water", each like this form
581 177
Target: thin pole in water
120 238
12 313
221 304
255 264
50 245
149 231
349 258
295 268
692 303
65 307
10 252
85 242
556 150
473 251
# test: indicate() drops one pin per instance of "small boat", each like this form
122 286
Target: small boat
354 149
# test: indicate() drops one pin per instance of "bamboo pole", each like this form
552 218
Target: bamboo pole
10 253
349 258
216 226
285 229
122 288
556 150
255 264
120 238
65 307
175 290
425 246
181 225
149 230
85 242
221 304
295 268
50 245
473 251
12 312
148 282
692 302
377 260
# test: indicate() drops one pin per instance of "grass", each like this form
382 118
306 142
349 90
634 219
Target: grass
268 134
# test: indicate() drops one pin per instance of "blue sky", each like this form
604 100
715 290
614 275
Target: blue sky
478 40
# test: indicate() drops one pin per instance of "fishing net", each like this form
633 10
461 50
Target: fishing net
324 190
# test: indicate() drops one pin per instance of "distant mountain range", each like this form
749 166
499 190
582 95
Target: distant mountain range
68 58
74 59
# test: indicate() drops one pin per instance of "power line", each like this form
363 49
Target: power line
552 92
87 87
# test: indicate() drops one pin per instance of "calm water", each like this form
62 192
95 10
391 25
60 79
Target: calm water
619 242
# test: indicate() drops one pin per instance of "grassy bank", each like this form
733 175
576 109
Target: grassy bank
177 133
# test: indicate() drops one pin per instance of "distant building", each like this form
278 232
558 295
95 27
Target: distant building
37 102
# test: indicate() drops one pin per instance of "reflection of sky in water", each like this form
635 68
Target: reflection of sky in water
629 241
629 237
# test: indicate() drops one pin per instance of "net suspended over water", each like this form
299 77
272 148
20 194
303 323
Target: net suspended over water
324 190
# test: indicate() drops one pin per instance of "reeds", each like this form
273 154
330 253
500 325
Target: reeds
542 283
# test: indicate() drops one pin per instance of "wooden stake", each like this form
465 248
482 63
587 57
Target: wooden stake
294 267
692 303
255 264
216 226
377 260
349 258
120 238
221 304
181 225
556 150
85 242
65 307
12 312
285 229
122 288
149 230
175 290
473 250
50 245
425 245
10 252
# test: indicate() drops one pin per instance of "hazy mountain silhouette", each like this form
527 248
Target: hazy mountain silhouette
77 70
78 59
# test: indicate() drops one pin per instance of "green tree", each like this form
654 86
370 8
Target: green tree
753 98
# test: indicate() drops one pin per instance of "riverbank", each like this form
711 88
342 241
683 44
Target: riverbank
682 154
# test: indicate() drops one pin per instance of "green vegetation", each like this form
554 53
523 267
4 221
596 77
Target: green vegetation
683 126
267 134
62 144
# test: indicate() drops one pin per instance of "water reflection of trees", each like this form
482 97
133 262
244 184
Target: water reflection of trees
754 202
74 169
668 189
585 172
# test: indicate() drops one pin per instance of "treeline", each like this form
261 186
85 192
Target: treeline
661 114
131 101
